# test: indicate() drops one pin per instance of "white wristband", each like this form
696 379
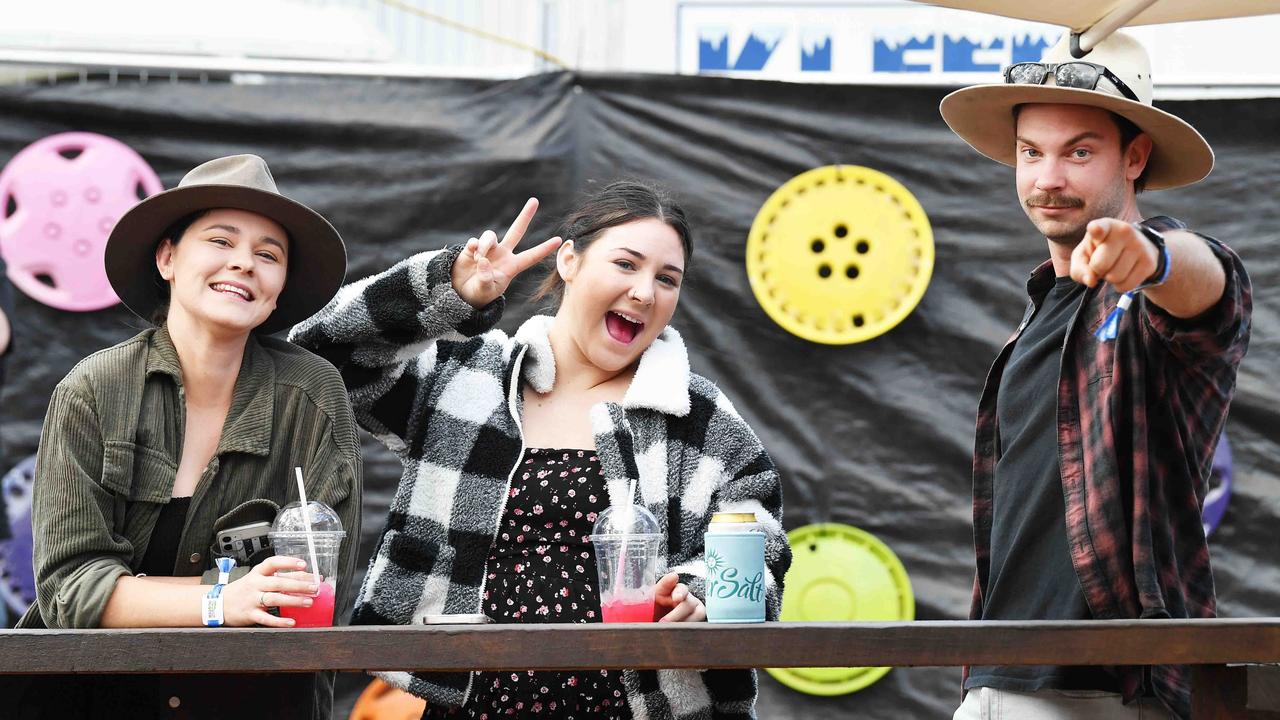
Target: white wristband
211 607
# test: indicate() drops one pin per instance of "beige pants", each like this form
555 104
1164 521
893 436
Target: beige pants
991 704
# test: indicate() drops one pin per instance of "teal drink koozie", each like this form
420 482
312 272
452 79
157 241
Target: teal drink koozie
735 575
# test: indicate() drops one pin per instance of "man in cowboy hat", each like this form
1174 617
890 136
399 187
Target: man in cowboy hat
1098 421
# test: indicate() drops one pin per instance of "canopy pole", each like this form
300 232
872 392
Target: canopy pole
1084 42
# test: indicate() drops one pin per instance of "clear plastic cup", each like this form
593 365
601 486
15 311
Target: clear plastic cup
626 543
289 538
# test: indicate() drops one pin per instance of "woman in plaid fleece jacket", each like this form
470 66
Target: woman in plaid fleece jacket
461 403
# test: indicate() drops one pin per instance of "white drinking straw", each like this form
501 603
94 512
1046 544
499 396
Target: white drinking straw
306 518
622 552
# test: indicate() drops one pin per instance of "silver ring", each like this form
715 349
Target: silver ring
262 598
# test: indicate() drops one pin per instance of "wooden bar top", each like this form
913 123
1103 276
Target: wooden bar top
642 646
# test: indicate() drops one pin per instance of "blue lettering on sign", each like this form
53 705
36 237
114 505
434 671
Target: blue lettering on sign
890 56
713 52
725 585
816 57
1029 49
957 55
755 53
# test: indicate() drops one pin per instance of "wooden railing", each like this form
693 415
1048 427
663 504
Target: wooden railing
1251 690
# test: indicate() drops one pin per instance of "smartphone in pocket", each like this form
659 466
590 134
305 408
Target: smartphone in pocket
244 541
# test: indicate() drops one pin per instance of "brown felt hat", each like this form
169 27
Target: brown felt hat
982 115
317 256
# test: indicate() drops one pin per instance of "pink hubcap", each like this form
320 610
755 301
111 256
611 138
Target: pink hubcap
59 199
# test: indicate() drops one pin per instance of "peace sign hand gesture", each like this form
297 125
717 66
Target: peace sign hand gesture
486 267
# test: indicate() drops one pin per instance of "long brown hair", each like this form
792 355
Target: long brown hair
615 204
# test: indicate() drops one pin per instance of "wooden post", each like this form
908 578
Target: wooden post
1264 689
1235 692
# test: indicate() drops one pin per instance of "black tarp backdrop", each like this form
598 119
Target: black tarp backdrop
878 435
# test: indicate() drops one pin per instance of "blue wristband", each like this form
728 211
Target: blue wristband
1111 326
225 566
211 606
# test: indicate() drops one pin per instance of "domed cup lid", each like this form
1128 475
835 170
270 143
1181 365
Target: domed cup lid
626 522
290 520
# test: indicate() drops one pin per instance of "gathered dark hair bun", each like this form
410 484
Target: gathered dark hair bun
615 204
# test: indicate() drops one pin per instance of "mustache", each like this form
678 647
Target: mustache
1054 200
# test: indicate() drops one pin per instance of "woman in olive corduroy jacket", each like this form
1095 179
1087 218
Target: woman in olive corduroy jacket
152 445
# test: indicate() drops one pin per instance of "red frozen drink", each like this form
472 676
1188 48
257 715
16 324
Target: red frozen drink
315 537
320 614
626 547
626 610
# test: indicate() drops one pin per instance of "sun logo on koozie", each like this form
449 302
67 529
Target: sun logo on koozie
714 563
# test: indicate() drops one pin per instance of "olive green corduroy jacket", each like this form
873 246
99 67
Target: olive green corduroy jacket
109 454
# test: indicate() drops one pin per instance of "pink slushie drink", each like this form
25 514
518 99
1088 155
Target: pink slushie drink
320 614
626 542
627 610
290 537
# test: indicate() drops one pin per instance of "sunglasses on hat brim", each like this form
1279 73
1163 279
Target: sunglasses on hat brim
1078 74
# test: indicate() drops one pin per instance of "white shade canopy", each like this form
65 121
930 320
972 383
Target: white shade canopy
1083 14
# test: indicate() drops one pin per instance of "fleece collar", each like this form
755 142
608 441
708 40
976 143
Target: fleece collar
661 382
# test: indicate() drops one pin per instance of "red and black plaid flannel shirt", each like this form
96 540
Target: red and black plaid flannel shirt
1138 420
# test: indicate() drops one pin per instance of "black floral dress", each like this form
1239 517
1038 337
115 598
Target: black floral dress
543 570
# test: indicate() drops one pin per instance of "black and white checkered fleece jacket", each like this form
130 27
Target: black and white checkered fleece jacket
431 379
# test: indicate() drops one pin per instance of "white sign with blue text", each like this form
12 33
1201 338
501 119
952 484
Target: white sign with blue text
898 42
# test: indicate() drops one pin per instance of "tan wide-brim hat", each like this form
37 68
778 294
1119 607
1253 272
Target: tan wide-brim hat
982 115
317 257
